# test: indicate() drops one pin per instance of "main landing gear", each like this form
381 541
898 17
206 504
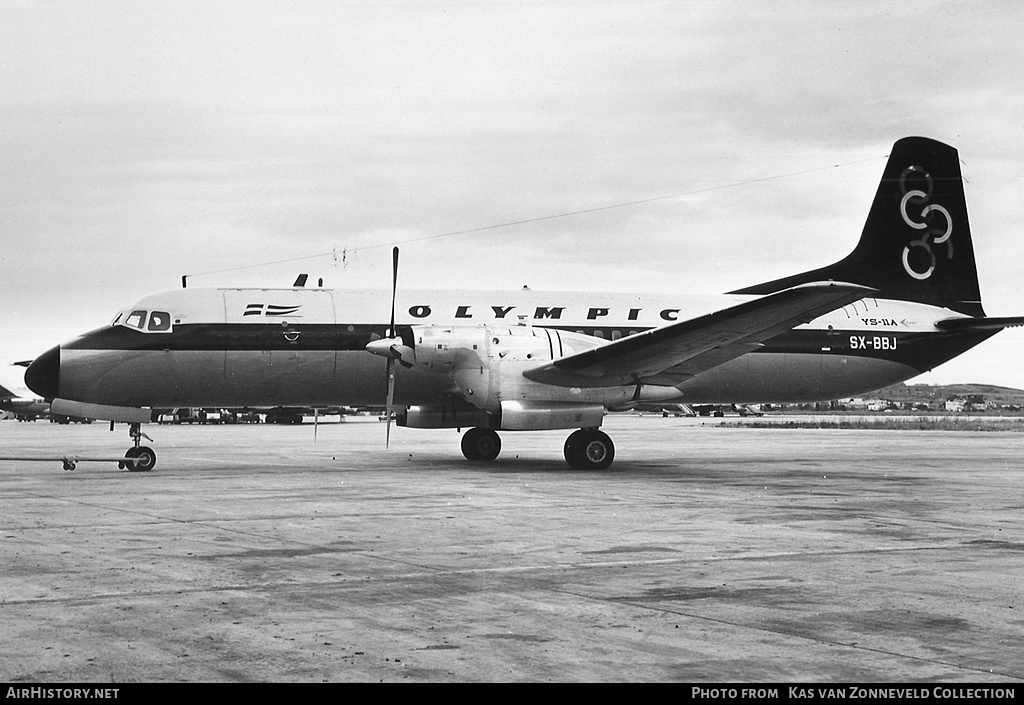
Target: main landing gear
481 444
589 449
586 449
138 458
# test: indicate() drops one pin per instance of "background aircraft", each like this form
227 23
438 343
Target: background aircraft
15 397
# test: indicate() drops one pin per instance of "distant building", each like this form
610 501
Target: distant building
975 402
959 404
860 403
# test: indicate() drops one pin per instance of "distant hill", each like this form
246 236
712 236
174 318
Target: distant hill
938 393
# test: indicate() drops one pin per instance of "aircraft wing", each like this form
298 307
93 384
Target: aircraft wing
673 353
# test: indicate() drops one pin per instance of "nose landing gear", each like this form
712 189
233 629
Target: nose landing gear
138 458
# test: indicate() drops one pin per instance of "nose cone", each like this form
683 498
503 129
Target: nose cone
43 375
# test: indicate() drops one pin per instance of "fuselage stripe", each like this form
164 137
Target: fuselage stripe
920 350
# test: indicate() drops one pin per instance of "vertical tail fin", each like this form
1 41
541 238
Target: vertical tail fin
916 243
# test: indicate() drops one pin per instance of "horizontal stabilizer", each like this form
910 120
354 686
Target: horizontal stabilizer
964 325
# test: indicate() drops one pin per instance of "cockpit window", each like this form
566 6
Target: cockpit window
159 322
136 320
144 321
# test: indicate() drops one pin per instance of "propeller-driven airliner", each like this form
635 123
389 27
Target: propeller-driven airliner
904 301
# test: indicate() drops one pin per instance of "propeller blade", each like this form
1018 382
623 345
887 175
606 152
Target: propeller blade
394 289
391 334
390 402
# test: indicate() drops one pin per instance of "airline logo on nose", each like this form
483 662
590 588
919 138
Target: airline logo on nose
270 310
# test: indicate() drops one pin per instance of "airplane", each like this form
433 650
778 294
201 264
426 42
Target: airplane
16 399
905 300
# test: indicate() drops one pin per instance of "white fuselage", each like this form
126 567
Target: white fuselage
307 347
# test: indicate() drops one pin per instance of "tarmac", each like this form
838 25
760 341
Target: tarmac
705 554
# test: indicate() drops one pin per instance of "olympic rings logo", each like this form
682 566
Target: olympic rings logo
920 250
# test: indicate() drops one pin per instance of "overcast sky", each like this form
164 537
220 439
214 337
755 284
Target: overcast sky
144 140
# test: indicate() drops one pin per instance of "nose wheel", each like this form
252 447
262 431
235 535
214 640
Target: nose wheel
138 458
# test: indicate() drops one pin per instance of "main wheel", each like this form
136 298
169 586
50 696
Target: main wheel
589 449
572 447
145 459
481 444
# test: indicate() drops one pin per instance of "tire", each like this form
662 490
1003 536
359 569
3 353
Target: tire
481 444
146 462
589 449
571 450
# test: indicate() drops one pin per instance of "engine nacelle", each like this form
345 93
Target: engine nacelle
457 414
486 363
536 416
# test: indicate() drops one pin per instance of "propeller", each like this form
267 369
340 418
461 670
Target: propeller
392 346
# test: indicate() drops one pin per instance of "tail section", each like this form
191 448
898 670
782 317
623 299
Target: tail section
916 243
